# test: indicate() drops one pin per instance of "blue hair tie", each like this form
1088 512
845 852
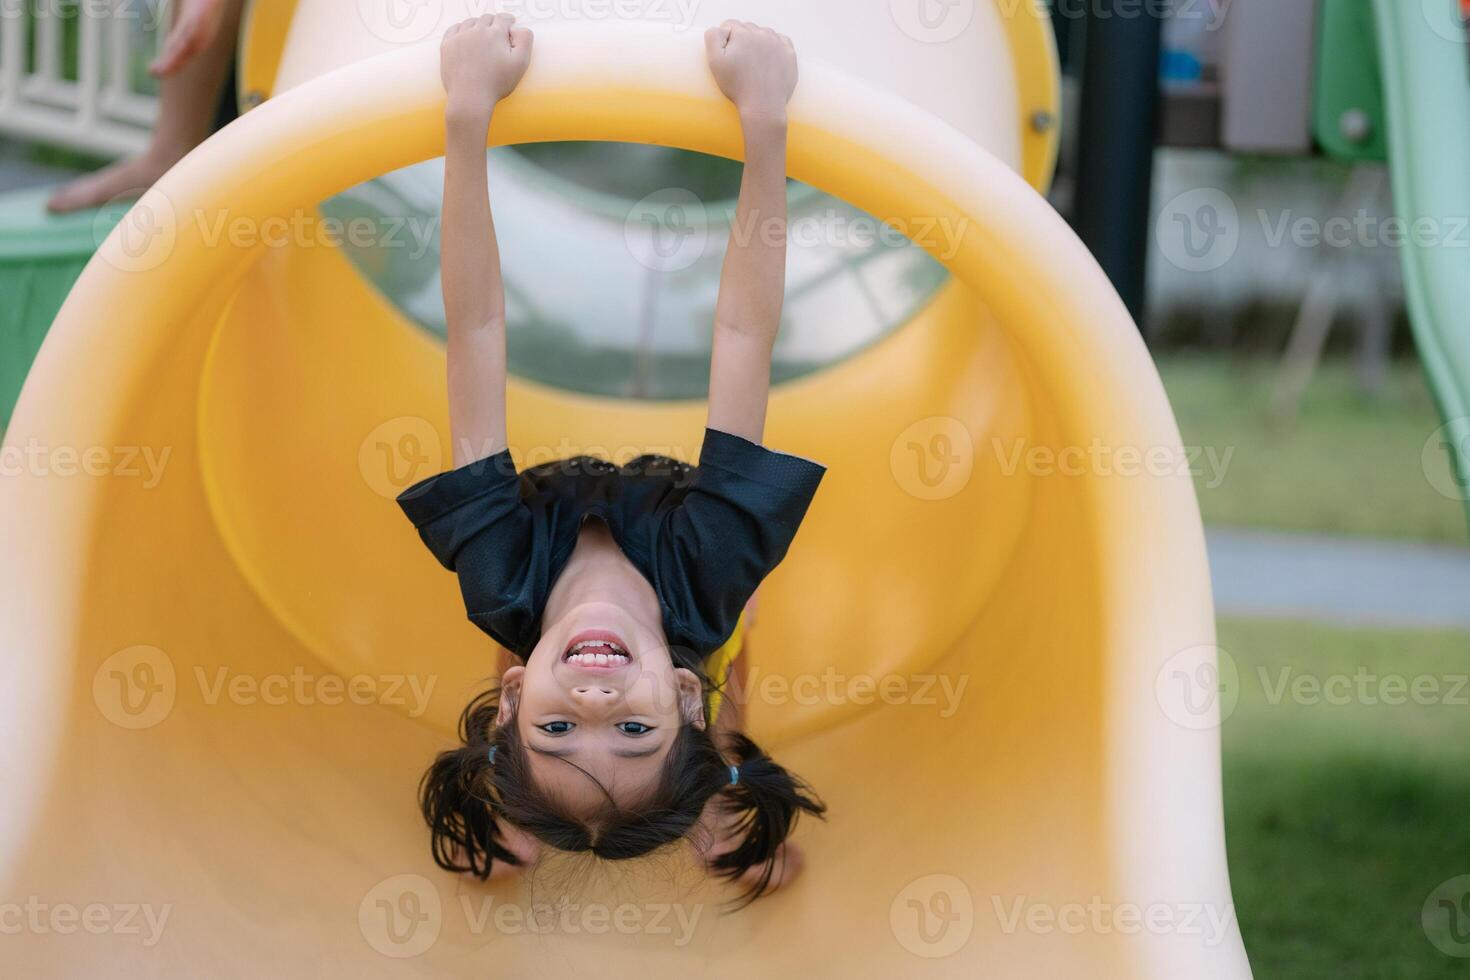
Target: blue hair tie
491 755
734 775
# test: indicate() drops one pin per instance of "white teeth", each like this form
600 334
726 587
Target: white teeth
597 655
615 659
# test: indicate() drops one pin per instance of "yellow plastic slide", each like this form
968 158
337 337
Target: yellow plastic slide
228 658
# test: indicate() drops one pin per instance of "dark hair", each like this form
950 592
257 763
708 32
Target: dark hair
463 796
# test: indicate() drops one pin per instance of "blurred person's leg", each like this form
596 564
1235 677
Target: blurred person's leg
195 65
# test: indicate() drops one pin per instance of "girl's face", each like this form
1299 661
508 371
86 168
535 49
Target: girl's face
599 699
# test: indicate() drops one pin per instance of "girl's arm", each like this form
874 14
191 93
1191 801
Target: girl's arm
756 69
481 62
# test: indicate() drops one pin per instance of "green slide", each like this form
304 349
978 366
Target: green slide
41 255
1424 55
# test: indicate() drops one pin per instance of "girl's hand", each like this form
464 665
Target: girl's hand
790 860
195 26
526 848
482 60
754 66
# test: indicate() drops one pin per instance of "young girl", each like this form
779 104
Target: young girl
616 589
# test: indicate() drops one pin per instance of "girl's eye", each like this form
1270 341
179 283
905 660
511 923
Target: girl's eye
556 727
634 728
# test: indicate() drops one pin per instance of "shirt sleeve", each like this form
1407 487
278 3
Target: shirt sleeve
474 521
729 532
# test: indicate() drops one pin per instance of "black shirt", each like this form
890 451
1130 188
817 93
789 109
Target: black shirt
704 536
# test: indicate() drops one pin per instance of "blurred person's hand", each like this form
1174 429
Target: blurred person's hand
195 26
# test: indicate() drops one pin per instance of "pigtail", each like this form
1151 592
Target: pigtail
458 798
765 800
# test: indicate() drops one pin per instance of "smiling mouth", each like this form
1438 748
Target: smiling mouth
597 650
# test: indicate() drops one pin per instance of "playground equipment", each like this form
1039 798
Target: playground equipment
1375 81
1425 77
225 674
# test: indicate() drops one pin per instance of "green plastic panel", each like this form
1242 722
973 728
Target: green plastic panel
1349 96
1426 89
41 255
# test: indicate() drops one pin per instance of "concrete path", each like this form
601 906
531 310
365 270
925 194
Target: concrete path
1352 581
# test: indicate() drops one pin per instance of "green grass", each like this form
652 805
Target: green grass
1349 464
1342 818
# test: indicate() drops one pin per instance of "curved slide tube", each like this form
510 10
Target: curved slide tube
225 675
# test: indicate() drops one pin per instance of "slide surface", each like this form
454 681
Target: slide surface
1424 59
228 659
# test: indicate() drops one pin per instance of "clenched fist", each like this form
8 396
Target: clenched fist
482 60
754 66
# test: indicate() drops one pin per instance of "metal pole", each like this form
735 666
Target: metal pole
1119 115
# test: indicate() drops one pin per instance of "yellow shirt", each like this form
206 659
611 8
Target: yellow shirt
721 662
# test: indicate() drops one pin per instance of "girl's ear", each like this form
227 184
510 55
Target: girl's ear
691 697
510 695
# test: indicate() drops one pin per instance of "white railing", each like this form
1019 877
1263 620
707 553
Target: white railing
73 72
